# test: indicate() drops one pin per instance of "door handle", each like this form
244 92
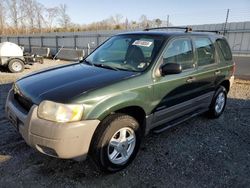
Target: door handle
191 79
217 72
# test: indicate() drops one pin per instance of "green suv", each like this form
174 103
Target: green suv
133 83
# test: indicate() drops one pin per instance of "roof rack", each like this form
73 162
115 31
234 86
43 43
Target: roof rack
209 31
187 29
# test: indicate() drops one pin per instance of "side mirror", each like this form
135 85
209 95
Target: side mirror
170 68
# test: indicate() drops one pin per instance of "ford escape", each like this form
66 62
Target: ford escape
133 83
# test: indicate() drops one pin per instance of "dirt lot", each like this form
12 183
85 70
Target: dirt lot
7 77
198 153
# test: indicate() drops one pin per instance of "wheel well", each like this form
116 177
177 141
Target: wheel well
136 112
16 58
226 84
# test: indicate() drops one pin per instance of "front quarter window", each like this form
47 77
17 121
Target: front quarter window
180 51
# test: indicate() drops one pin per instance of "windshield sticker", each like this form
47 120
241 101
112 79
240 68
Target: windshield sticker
142 43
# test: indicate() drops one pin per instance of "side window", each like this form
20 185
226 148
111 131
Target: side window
224 48
205 51
180 51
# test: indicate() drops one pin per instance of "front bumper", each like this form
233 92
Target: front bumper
62 140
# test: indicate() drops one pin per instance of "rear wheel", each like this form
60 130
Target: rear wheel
218 103
16 65
116 142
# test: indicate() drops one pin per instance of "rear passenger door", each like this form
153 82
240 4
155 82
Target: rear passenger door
207 64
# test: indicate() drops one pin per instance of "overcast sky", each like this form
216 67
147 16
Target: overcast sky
181 12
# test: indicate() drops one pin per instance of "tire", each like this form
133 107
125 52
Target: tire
218 103
16 65
113 147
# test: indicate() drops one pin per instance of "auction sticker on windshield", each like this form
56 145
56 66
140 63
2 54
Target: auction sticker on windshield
142 43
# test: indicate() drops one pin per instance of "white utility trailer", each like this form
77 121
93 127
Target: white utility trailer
12 57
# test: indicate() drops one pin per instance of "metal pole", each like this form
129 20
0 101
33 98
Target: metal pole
168 20
225 25
75 44
98 39
18 41
29 40
57 48
41 41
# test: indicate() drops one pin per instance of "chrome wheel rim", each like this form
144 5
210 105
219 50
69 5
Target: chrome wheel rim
220 102
16 66
121 146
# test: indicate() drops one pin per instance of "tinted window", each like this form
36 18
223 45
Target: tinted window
224 48
205 51
180 51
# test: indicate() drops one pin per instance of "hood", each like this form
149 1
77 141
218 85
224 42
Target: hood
61 84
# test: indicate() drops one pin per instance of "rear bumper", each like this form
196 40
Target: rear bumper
62 140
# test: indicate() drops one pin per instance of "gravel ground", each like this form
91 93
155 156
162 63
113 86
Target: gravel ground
198 153
7 77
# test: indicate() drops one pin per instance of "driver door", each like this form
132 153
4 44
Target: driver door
174 94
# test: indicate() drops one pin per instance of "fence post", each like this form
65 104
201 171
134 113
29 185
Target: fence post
0 39
242 34
57 44
18 41
29 39
7 39
75 36
41 41
98 39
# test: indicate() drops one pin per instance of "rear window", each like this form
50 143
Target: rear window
205 51
224 48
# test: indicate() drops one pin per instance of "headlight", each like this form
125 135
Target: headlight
60 112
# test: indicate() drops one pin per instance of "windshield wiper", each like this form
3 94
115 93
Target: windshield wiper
86 62
105 66
129 70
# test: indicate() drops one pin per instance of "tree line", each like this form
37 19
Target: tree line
30 16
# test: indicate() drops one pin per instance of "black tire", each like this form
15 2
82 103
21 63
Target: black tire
16 65
101 139
213 112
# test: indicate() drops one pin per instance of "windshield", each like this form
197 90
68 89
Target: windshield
127 52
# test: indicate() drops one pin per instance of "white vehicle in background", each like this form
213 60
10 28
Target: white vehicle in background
11 56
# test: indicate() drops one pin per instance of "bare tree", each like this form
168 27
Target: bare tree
144 21
2 18
50 16
64 19
39 9
27 14
158 22
13 6
117 19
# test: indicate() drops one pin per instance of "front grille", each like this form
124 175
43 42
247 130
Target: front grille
23 102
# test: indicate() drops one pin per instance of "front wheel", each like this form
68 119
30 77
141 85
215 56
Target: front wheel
218 103
116 142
